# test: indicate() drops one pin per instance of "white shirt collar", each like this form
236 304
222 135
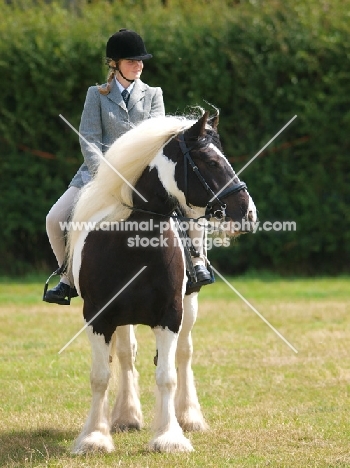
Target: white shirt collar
121 88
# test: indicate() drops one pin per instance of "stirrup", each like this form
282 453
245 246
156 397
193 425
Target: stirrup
59 271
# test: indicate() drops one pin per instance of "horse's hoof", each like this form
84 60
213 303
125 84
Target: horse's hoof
194 426
94 442
120 427
192 421
170 443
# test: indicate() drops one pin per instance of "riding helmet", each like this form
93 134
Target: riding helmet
126 44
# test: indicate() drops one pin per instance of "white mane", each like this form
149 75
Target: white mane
129 155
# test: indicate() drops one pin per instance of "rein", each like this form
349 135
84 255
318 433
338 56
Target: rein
221 213
169 215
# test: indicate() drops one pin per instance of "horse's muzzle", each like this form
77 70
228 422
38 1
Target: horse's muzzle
250 220
248 223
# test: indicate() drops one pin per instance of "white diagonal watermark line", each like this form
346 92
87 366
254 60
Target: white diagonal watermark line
254 157
100 155
256 312
101 310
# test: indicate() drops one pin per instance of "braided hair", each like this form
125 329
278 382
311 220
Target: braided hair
112 72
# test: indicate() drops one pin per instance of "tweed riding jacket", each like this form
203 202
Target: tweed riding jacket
105 118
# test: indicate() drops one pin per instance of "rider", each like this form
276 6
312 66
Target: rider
109 111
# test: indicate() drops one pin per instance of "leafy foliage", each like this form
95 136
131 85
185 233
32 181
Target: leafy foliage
259 62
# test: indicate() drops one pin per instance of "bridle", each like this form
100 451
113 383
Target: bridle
233 188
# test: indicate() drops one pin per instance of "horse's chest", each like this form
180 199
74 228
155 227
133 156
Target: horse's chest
110 259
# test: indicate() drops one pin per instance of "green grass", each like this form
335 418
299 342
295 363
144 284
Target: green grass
266 406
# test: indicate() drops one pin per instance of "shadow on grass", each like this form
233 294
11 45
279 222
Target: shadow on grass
22 448
47 447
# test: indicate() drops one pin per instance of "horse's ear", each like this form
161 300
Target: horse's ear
214 121
198 129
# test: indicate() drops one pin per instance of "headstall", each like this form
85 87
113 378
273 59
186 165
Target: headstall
233 188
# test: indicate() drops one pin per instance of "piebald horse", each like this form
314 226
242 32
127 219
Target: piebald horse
163 166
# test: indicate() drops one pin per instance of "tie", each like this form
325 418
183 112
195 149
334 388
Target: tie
126 96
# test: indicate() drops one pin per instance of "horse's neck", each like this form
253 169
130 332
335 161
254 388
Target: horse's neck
158 199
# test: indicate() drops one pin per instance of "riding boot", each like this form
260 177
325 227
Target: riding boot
203 276
60 294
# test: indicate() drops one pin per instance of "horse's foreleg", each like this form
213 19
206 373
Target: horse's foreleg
169 436
95 435
127 412
188 410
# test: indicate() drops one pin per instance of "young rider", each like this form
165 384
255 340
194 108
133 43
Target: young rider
109 111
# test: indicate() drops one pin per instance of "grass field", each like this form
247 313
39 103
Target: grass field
266 405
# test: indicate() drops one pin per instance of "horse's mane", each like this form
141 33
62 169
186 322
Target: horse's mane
129 155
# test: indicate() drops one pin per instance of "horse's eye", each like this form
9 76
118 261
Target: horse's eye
212 163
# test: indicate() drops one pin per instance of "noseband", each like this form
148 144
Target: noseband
233 188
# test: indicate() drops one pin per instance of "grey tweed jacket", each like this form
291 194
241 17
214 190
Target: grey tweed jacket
105 118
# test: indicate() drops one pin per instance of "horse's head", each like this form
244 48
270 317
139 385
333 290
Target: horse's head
199 176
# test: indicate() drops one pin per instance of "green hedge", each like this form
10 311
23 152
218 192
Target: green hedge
259 62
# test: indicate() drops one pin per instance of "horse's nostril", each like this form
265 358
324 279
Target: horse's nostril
250 216
244 210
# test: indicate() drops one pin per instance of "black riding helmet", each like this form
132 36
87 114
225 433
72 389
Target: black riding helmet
126 44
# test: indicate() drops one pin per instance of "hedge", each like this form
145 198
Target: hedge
259 62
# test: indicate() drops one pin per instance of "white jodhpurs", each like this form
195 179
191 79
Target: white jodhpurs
60 213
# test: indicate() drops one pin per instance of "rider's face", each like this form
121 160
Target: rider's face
131 69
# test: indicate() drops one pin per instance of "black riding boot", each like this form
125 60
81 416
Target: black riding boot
60 294
203 277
